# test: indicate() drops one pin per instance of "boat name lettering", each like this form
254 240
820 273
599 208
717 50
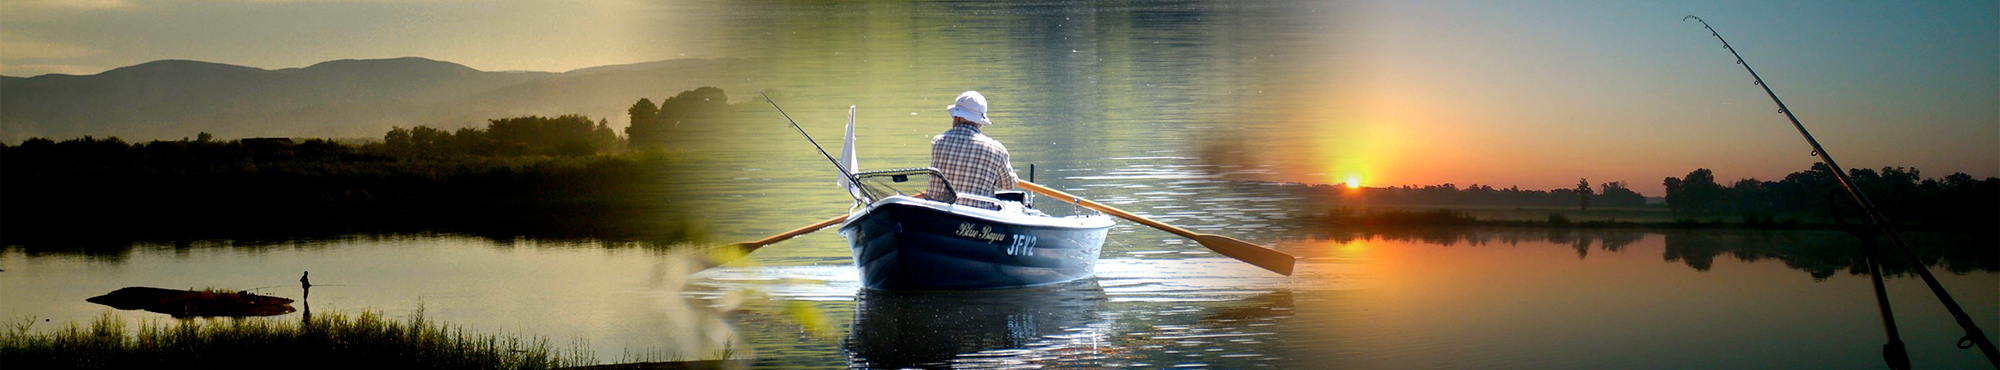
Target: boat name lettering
983 233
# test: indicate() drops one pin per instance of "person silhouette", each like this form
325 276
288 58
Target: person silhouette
306 297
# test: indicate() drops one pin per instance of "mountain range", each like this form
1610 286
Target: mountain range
174 99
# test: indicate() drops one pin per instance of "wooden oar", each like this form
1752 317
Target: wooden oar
1267 258
748 247
737 250
733 251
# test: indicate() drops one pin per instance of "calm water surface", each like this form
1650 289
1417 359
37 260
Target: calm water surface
1141 106
1484 299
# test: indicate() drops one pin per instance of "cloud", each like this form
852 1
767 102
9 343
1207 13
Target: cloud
75 4
123 4
19 48
31 70
28 56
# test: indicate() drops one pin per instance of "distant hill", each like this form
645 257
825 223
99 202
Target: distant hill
172 99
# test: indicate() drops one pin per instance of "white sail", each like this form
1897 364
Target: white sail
848 160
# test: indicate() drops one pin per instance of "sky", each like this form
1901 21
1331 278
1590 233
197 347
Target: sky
91 36
1526 93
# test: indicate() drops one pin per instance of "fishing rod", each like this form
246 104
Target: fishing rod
1881 223
815 143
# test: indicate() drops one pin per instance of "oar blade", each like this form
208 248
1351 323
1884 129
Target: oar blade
723 254
718 256
1267 258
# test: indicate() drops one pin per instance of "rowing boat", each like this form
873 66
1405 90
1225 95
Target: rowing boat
906 242
903 242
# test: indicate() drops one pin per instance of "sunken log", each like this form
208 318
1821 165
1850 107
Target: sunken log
193 303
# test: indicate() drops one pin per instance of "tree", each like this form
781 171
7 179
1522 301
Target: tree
1583 194
643 113
565 135
1891 180
603 137
397 137
1697 194
427 138
688 106
203 137
1746 196
1804 190
646 129
1617 194
691 101
473 141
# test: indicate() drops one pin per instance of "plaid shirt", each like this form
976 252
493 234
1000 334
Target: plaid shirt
972 162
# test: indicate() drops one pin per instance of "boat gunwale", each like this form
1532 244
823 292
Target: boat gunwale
1081 222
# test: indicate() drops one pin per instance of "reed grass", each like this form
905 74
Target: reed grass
333 340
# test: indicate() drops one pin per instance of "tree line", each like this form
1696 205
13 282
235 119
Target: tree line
566 175
568 135
1902 192
1609 194
517 171
653 125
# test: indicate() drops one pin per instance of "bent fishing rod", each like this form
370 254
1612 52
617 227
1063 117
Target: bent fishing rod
851 179
1881 222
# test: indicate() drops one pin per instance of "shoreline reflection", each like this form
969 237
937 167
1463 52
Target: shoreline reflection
1819 253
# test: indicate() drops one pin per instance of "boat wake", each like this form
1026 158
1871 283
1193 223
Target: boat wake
1123 280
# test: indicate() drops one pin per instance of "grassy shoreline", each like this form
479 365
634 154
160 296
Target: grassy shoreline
110 193
333 340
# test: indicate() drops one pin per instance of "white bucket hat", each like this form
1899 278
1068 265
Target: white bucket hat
971 106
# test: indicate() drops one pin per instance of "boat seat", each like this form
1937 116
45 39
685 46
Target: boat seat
1016 196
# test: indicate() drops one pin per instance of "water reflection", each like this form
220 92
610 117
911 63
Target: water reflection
1146 311
1819 253
980 329
1135 313
1826 253
626 302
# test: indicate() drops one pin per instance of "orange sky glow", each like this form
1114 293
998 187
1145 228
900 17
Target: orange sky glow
1538 95
1535 94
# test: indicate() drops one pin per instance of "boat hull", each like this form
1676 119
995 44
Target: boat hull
903 243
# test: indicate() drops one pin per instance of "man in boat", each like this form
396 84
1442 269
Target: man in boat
972 162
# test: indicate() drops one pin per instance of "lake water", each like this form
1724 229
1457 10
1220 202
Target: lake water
1476 298
1161 108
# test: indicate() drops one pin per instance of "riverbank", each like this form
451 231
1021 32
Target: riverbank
328 340
105 192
